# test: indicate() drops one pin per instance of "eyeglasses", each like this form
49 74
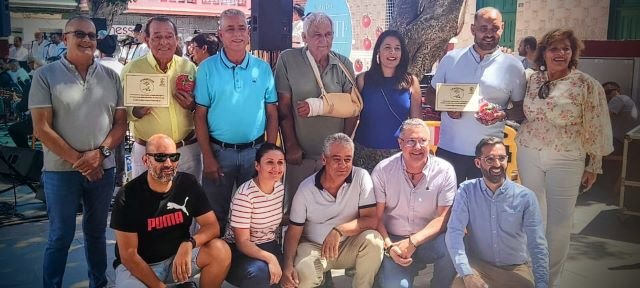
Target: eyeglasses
414 142
161 157
543 92
490 160
81 34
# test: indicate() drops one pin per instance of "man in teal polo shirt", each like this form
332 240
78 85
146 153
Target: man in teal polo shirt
236 102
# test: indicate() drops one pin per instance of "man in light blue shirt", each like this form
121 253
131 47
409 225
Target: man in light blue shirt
503 223
236 104
501 80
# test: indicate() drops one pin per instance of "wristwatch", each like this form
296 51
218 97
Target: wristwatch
192 241
387 251
105 151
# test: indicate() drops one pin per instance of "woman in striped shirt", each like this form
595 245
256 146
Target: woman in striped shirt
256 213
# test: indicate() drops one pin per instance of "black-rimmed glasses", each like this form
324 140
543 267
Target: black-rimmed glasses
544 90
490 160
161 157
81 34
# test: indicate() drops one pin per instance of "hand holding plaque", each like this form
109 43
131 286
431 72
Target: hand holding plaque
457 97
146 90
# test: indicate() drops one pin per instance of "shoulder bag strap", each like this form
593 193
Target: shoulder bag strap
316 72
346 71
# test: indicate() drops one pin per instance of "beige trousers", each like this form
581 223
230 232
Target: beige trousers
510 276
363 251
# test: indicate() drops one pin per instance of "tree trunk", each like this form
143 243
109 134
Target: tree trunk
107 9
427 26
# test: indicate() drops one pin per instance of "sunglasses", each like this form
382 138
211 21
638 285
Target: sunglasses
161 157
544 90
81 34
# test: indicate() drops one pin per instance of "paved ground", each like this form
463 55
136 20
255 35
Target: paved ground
605 251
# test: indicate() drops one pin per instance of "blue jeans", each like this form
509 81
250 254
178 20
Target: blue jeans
463 165
238 167
63 192
247 272
433 252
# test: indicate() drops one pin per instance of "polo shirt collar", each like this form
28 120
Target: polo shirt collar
403 165
155 65
504 188
64 61
229 64
497 52
333 59
318 176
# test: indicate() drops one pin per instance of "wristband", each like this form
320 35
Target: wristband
337 230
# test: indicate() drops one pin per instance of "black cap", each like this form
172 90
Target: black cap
138 28
108 44
299 9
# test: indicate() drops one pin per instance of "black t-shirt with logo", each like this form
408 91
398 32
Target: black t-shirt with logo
161 220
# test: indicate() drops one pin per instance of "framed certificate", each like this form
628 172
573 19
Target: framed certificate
146 90
457 97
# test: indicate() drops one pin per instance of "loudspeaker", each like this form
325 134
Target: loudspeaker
26 162
5 19
100 23
271 24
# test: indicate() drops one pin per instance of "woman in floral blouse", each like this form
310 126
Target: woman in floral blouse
567 122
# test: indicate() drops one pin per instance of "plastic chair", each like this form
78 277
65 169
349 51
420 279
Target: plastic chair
509 142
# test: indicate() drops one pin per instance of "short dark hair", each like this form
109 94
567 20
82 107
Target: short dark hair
17 38
488 141
138 28
160 19
611 83
531 42
209 40
266 147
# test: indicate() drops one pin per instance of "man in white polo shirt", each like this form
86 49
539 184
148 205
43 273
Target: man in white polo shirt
414 192
333 220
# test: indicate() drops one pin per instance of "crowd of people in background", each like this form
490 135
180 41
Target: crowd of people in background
211 191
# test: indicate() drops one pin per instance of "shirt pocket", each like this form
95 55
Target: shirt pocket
510 219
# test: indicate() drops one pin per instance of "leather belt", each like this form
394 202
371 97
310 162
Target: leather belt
239 146
190 140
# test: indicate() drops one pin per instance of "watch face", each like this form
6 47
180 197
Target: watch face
105 151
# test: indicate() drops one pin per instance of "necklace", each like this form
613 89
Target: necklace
413 174
418 176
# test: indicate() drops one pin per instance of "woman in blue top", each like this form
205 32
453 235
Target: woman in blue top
390 95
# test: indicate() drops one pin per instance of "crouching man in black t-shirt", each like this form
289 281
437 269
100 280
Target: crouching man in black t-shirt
151 218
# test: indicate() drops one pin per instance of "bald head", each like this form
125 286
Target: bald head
75 19
487 13
487 29
160 143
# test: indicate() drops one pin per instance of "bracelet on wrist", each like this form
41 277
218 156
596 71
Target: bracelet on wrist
412 243
192 241
337 230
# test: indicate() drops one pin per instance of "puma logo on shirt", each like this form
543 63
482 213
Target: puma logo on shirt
183 207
